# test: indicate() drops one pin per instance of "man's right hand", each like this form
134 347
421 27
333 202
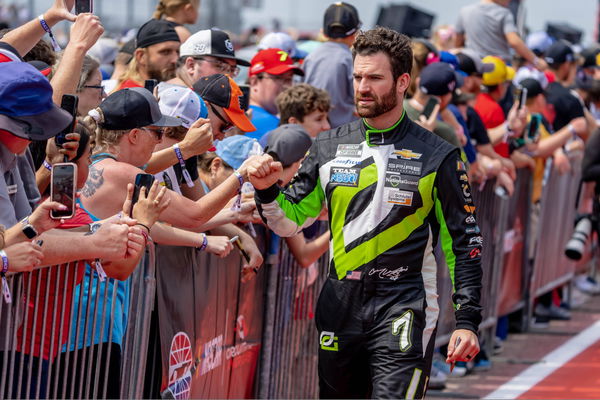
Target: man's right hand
261 171
110 240
86 31
24 256
198 139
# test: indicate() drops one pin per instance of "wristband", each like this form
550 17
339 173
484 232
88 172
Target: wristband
240 179
204 242
145 226
571 129
5 288
99 270
47 29
47 165
184 171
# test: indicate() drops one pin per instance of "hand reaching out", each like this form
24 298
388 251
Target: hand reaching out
198 139
149 207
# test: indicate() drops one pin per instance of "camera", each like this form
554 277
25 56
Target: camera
576 245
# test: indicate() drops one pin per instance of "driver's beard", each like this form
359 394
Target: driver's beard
380 106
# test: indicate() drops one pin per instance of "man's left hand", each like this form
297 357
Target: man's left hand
467 348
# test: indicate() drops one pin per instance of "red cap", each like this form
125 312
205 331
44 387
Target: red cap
274 62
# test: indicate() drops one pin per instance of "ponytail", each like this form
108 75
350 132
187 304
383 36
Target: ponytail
160 10
103 139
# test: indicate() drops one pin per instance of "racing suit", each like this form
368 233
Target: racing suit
390 194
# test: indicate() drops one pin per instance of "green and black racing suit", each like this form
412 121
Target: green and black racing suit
390 195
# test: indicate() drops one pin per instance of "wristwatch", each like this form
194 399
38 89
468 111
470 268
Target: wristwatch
28 229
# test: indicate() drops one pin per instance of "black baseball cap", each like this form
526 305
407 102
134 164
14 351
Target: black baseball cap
133 108
470 63
533 86
210 42
289 143
559 52
591 57
439 78
341 20
155 31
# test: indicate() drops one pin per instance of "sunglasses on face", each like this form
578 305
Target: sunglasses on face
226 124
158 132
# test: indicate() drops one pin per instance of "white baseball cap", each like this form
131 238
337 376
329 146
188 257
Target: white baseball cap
283 41
210 42
182 103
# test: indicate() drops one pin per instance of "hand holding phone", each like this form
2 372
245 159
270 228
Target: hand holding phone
63 190
141 180
430 106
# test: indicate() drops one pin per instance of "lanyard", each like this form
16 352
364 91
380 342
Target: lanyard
184 171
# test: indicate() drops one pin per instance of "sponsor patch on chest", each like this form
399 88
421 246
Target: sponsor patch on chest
404 167
349 150
344 176
400 197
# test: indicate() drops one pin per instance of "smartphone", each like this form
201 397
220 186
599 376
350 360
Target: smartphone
150 84
431 103
68 103
84 6
141 180
245 100
533 128
62 189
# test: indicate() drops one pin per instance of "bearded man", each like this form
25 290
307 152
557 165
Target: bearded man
155 56
393 190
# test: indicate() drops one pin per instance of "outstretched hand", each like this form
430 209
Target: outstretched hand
263 171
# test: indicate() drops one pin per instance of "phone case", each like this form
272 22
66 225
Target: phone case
74 190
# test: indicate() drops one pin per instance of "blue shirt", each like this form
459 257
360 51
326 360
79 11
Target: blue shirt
264 122
469 149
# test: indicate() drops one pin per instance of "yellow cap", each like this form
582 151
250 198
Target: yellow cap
501 72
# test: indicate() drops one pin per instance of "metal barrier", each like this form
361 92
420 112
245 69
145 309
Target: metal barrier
63 331
552 269
289 359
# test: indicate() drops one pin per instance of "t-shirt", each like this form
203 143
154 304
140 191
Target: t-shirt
129 83
485 26
8 53
14 204
566 106
329 67
492 116
479 135
58 297
441 129
264 122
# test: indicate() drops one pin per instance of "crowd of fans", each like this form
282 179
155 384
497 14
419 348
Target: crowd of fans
201 133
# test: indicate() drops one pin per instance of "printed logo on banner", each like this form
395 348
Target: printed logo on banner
240 327
328 341
400 197
212 356
180 365
349 150
404 167
344 176
408 154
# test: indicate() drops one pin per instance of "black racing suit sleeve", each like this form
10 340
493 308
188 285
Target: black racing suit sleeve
460 239
287 212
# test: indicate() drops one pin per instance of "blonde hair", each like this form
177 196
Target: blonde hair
130 73
170 7
103 139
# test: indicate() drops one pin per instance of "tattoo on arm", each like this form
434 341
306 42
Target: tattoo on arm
94 181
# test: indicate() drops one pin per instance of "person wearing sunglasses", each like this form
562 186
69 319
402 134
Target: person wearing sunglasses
205 53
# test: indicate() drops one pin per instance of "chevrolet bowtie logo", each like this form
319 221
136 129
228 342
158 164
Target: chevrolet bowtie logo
408 154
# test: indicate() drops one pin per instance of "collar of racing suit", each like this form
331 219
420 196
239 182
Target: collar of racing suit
379 137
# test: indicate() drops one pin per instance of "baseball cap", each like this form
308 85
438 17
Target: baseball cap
439 78
155 31
104 50
289 142
26 107
234 150
133 108
533 86
274 62
340 20
283 41
41 66
470 63
591 57
539 42
526 72
210 42
501 72
182 103
559 52
222 91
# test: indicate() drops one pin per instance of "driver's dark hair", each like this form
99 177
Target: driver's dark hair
395 45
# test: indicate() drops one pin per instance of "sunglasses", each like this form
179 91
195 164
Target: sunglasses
227 125
159 132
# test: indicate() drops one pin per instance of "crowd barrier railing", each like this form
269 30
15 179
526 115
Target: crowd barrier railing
62 336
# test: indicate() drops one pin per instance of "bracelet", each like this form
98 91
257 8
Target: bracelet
204 242
146 236
240 179
145 226
47 165
47 29
4 262
184 171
